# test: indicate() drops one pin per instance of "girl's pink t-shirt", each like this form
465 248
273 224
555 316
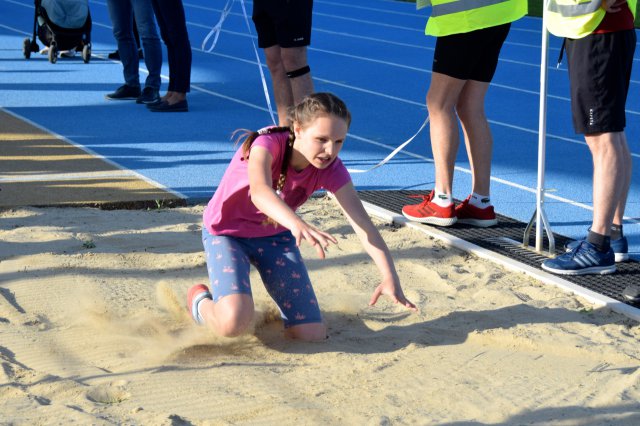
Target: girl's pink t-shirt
230 210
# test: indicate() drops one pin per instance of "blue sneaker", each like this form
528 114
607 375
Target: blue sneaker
620 248
584 259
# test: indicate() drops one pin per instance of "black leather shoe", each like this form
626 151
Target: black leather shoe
115 55
164 106
124 93
149 96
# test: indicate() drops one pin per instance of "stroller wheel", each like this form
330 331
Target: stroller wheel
53 53
26 48
86 53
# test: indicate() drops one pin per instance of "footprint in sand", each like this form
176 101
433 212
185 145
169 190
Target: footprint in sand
38 321
108 393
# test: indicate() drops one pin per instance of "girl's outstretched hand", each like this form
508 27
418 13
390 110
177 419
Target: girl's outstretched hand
317 238
391 288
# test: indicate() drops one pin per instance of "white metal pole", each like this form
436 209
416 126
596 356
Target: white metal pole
542 130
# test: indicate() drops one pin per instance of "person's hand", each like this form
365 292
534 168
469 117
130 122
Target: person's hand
612 6
317 238
391 288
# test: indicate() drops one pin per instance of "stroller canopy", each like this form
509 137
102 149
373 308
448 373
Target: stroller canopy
67 13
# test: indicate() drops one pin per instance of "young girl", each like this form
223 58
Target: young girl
251 219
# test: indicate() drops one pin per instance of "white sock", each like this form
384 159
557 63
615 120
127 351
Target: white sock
480 201
200 317
442 199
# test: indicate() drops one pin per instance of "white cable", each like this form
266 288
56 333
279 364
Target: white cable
394 152
215 32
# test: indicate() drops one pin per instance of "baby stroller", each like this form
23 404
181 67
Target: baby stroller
61 25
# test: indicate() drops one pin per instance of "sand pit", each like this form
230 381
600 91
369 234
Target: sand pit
93 330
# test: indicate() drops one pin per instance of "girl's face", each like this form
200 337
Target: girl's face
319 142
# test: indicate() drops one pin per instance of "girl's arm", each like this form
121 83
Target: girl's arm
265 198
373 244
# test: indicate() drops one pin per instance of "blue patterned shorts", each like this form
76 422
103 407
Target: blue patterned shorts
279 263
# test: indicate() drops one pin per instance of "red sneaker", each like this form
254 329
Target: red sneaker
472 215
431 213
195 294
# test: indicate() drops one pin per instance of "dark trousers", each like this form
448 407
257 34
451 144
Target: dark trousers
173 30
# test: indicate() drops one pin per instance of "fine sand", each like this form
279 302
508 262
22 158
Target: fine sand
93 330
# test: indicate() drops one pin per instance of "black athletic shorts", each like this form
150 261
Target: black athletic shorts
286 23
599 74
470 56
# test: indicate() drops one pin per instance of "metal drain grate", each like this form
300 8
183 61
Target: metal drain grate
506 239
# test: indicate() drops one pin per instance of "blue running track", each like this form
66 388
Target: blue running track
373 54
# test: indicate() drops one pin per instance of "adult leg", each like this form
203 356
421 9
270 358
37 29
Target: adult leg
610 178
599 70
618 217
478 139
442 97
282 91
146 25
121 14
295 58
595 255
162 25
172 22
178 49
136 34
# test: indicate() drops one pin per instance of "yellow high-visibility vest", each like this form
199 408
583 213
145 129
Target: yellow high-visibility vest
574 18
463 16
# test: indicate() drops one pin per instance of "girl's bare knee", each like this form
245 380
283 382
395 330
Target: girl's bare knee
233 315
235 324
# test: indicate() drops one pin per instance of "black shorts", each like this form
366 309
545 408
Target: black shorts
286 23
470 56
599 74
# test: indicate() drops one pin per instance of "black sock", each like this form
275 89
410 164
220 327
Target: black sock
616 232
602 242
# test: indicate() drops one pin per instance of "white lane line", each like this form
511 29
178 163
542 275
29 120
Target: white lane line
418 69
317 29
514 28
95 154
369 141
410 154
423 17
398 99
49 177
419 29
14 29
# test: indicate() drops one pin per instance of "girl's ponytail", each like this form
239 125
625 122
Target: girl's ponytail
247 137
